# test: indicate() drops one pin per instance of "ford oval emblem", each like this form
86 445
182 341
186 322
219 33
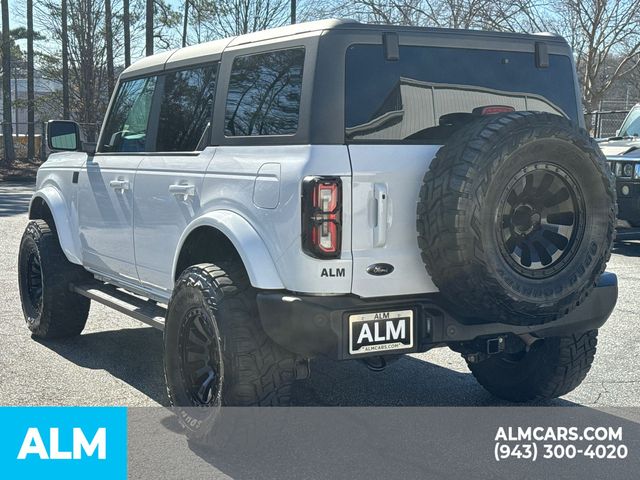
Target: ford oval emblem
379 269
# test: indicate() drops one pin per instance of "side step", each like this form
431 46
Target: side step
146 311
627 234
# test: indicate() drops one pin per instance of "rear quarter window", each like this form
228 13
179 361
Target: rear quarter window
264 93
431 91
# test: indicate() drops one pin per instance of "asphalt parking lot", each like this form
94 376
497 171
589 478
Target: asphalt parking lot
117 361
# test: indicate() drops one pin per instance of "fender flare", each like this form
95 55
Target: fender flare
256 258
57 206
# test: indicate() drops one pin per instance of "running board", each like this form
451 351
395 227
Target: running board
146 311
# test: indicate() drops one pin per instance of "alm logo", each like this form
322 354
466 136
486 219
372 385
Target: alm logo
33 444
63 442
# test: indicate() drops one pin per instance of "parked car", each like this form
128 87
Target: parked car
338 189
623 154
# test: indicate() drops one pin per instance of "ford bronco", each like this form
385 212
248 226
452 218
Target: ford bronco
339 189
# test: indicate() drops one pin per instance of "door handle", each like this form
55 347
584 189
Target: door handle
119 184
183 191
381 198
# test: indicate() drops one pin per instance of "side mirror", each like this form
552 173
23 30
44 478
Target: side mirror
63 135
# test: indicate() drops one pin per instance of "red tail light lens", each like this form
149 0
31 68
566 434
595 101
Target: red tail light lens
493 109
322 216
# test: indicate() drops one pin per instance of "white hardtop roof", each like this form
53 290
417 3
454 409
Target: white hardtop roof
212 51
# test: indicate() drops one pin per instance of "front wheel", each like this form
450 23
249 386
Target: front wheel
50 308
551 368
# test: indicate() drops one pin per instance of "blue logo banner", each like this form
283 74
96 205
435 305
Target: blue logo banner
63 442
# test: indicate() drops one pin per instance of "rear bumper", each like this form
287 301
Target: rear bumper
314 325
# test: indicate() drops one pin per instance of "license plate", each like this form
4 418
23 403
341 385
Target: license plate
380 332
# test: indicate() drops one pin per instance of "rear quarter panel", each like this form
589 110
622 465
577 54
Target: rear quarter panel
246 180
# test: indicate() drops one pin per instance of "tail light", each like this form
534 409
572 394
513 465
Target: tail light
492 110
322 216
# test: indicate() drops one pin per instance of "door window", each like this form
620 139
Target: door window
126 128
186 109
264 93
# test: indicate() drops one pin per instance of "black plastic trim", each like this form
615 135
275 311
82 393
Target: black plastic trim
316 325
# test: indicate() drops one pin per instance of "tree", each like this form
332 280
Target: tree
185 23
126 20
467 14
227 18
149 34
605 36
31 150
109 44
64 41
7 130
161 24
87 58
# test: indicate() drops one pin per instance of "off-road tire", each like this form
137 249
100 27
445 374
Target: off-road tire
552 368
462 198
61 312
254 371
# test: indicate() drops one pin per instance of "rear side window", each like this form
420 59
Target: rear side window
126 127
186 109
431 91
264 93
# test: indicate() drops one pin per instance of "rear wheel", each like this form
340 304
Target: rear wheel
216 353
551 368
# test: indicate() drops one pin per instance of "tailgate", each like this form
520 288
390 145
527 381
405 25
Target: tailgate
386 183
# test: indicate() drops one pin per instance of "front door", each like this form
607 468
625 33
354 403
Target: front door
105 214
106 184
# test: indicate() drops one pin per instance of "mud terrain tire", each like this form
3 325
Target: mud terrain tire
50 308
248 368
552 368
516 218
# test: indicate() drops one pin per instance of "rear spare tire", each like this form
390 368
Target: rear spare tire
516 218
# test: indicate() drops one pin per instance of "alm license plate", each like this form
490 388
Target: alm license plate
380 332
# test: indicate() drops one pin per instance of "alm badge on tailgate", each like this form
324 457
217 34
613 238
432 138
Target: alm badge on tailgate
380 332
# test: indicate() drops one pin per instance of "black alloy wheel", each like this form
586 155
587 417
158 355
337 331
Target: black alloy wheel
541 220
200 359
51 309
34 281
516 218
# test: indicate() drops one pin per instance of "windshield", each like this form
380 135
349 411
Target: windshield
631 125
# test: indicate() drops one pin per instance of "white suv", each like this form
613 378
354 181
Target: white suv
275 196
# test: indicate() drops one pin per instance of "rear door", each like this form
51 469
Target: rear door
398 112
169 181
